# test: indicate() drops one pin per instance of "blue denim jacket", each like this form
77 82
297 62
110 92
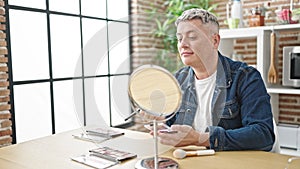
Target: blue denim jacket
241 112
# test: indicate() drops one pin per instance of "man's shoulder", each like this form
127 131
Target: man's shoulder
240 70
236 65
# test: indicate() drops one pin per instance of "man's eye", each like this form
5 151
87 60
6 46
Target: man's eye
192 37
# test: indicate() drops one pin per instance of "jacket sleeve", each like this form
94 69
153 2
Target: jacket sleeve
256 132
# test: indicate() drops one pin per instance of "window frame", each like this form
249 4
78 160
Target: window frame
51 79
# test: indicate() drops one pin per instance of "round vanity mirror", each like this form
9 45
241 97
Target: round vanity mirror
154 90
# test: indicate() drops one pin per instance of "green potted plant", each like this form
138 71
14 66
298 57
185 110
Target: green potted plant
165 29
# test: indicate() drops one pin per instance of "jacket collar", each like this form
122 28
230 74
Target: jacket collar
223 74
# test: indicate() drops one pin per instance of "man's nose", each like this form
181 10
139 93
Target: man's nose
183 43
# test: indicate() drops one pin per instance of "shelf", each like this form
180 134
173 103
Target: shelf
254 31
275 27
240 33
282 90
282 27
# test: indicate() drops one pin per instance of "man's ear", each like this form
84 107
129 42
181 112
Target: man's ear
216 40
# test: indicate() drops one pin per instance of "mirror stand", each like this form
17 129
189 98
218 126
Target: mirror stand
156 162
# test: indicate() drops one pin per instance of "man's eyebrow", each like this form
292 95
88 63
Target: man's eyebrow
188 32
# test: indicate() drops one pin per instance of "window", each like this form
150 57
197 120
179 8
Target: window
67 60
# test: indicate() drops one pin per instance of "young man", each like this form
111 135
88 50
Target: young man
225 104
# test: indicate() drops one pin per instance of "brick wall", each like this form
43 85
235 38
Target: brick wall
144 46
5 122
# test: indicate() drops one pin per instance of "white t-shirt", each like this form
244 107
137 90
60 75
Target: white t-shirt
205 89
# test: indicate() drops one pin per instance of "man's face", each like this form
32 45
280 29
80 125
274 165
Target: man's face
195 43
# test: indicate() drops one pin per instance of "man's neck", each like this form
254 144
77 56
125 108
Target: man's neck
203 72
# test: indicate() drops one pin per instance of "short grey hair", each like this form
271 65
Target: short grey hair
196 13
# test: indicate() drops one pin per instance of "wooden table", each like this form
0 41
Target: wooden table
54 152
